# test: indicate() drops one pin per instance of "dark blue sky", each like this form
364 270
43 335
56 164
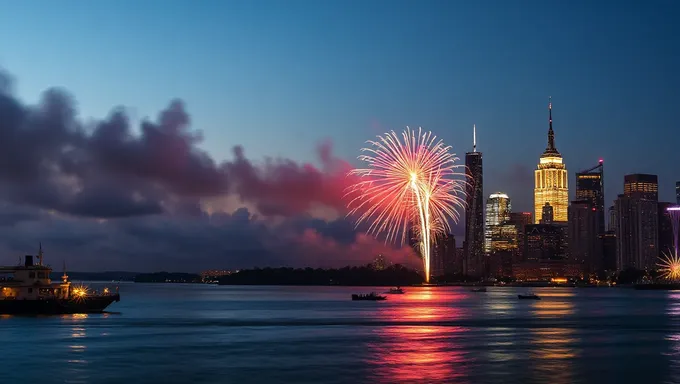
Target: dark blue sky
279 76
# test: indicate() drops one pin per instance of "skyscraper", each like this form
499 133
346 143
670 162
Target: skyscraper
583 236
551 184
641 186
474 211
498 208
637 226
677 191
590 187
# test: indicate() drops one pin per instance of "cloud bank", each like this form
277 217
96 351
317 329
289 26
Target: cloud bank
106 196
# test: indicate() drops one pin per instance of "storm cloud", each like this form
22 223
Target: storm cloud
114 196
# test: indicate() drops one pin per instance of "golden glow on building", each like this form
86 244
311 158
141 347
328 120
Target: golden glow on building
551 182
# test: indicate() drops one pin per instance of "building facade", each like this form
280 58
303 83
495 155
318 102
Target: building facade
637 226
474 213
520 220
583 236
677 192
590 187
547 215
545 242
498 208
666 235
551 182
608 241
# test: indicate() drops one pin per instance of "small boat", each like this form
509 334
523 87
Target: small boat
529 296
396 291
368 297
480 289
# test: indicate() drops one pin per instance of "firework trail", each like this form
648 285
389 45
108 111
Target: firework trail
670 262
409 183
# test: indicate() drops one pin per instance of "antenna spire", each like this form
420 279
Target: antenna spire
551 133
474 138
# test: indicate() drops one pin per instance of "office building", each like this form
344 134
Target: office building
637 223
447 246
590 187
520 220
677 192
584 244
641 186
498 208
474 211
608 242
545 242
551 184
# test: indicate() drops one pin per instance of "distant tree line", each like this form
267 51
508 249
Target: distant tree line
167 277
395 275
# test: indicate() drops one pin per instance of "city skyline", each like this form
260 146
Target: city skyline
282 105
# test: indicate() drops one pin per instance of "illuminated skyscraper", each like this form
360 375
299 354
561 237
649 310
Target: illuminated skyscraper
590 187
474 211
551 180
641 186
677 191
498 210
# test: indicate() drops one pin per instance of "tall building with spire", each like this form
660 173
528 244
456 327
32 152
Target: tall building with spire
551 180
474 211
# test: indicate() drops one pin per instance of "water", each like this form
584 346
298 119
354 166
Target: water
165 333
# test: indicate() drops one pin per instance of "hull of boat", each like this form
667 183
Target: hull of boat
658 287
95 304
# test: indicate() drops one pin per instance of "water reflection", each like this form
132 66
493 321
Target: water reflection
553 348
673 338
77 360
420 353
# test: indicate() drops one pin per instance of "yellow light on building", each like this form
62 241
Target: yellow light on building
551 181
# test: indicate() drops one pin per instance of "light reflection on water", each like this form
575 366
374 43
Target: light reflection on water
195 334
427 353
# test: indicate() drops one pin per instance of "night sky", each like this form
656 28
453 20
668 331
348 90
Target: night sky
185 135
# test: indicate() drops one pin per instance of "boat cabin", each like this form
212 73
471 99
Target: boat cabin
31 282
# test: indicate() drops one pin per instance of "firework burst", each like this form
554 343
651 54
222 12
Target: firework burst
669 266
410 183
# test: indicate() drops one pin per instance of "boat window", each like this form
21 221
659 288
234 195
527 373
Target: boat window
30 290
42 275
31 275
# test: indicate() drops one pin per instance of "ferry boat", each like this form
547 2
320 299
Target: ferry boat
395 291
29 290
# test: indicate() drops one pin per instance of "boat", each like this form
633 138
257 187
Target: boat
529 296
396 291
368 297
28 290
658 286
480 289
